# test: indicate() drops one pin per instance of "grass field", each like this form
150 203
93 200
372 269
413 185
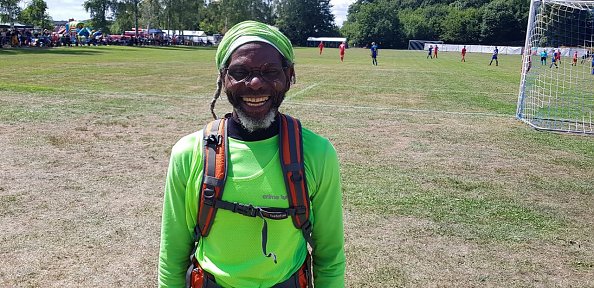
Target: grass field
443 187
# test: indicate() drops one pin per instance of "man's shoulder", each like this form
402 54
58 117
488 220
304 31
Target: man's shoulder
316 144
309 135
186 144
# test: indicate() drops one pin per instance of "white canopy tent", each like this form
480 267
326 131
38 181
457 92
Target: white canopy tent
328 41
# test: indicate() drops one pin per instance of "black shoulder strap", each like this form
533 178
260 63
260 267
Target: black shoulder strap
214 154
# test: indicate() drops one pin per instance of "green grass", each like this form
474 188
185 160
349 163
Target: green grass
442 185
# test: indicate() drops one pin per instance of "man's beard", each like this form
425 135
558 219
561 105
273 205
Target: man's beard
249 123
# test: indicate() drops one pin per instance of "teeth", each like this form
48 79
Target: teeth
255 101
258 99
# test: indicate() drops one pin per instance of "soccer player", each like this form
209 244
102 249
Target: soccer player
574 60
374 51
592 65
494 57
435 52
543 57
430 54
554 60
585 56
463 54
341 49
252 240
558 56
321 46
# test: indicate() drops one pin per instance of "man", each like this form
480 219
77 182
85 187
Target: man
430 54
543 57
341 49
554 59
321 46
585 56
463 54
574 59
494 57
374 52
435 51
255 63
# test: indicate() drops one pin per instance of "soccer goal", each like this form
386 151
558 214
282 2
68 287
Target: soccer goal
558 95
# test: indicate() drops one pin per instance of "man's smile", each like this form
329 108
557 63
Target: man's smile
255 101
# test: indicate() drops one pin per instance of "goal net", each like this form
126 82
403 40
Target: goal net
557 93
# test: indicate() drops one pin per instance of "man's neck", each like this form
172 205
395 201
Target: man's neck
237 131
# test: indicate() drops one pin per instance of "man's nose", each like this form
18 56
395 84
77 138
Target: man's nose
255 81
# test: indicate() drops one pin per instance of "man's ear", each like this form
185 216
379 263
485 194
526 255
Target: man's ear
291 76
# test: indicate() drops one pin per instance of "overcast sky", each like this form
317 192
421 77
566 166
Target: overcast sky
65 9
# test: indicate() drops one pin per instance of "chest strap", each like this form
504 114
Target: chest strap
215 155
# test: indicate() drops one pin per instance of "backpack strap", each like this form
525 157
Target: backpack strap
291 155
215 147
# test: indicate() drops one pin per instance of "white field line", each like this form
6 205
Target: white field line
402 110
303 90
426 90
287 100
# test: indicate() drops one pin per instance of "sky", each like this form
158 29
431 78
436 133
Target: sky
66 9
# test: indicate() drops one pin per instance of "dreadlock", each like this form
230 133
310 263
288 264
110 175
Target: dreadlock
216 95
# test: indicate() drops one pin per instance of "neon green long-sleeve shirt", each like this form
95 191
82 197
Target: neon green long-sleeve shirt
232 252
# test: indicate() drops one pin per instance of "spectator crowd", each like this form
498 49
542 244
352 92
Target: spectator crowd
44 38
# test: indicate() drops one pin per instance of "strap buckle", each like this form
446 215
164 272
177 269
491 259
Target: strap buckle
300 210
209 196
296 177
247 210
213 139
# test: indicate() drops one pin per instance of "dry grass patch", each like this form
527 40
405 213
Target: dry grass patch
411 252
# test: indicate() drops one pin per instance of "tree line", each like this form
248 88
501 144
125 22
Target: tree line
393 22
388 22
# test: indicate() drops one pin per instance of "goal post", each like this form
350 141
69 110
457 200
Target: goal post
420 44
558 95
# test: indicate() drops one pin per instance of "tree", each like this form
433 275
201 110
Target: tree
415 25
210 22
374 22
190 14
462 4
504 23
434 16
151 12
9 11
454 21
219 16
99 11
135 5
462 26
35 14
300 19
124 17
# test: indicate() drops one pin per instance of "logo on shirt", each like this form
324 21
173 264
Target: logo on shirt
274 197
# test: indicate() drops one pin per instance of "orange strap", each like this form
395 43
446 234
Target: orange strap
215 147
294 172
215 172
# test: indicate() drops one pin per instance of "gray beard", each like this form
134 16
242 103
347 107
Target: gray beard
251 124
